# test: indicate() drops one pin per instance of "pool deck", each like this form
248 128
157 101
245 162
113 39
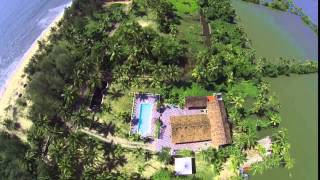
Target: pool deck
164 139
142 99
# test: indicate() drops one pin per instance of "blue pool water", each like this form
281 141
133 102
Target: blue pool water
144 126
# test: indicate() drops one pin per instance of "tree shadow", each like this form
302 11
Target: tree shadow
116 94
142 96
135 121
104 128
113 156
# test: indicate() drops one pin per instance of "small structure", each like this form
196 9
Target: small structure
253 155
184 166
202 127
96 100
196 102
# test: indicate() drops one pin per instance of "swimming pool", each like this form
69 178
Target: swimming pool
144 125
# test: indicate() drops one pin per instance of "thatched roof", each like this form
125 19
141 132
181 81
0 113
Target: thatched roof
196 102
190 128
202 127
220 130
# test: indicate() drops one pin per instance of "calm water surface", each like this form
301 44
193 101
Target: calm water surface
276 34
310 8
299 109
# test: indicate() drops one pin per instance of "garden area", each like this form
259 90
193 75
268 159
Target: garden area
156 47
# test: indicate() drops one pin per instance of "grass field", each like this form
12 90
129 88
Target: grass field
190 34
203 169
117 103
185 6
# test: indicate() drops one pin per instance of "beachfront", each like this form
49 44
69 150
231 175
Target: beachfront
16 84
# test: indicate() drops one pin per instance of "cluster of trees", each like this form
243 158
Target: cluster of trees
229 58
229 65
166 15
62 77
80 54
285 66
140 56
282 5
280 154
215 10
176 95
13 164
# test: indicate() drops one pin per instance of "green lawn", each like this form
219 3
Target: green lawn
203 169
120 102
246 88
185 6
190 35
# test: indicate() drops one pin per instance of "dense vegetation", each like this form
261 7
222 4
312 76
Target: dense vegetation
13 164
282 5
84 54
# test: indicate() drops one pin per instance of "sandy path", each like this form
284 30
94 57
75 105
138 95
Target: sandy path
14 85
117 140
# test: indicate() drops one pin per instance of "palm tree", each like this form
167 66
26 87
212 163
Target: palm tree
66 167
275 119
141 168
257 168
81 118
246 140
238 101
289 161
234 115
259 107
139 152
264 88
69 95
164 155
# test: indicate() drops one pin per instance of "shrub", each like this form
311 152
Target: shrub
158 127
162 174
164 155
185 153
10 124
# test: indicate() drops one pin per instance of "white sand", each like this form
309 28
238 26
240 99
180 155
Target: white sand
14 85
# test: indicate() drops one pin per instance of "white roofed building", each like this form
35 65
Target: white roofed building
184 166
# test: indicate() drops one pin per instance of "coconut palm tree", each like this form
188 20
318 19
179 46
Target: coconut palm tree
66 167
275 119
257 168
69 95
234 115
82 118
237 101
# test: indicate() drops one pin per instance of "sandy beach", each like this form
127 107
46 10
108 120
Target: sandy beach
15 84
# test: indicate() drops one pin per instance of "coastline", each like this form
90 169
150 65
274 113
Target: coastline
15 84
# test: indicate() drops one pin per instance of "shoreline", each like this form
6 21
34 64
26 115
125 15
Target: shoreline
14 85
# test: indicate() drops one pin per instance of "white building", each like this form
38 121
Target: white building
184 166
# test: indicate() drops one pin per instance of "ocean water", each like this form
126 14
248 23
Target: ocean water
21 23
310 8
